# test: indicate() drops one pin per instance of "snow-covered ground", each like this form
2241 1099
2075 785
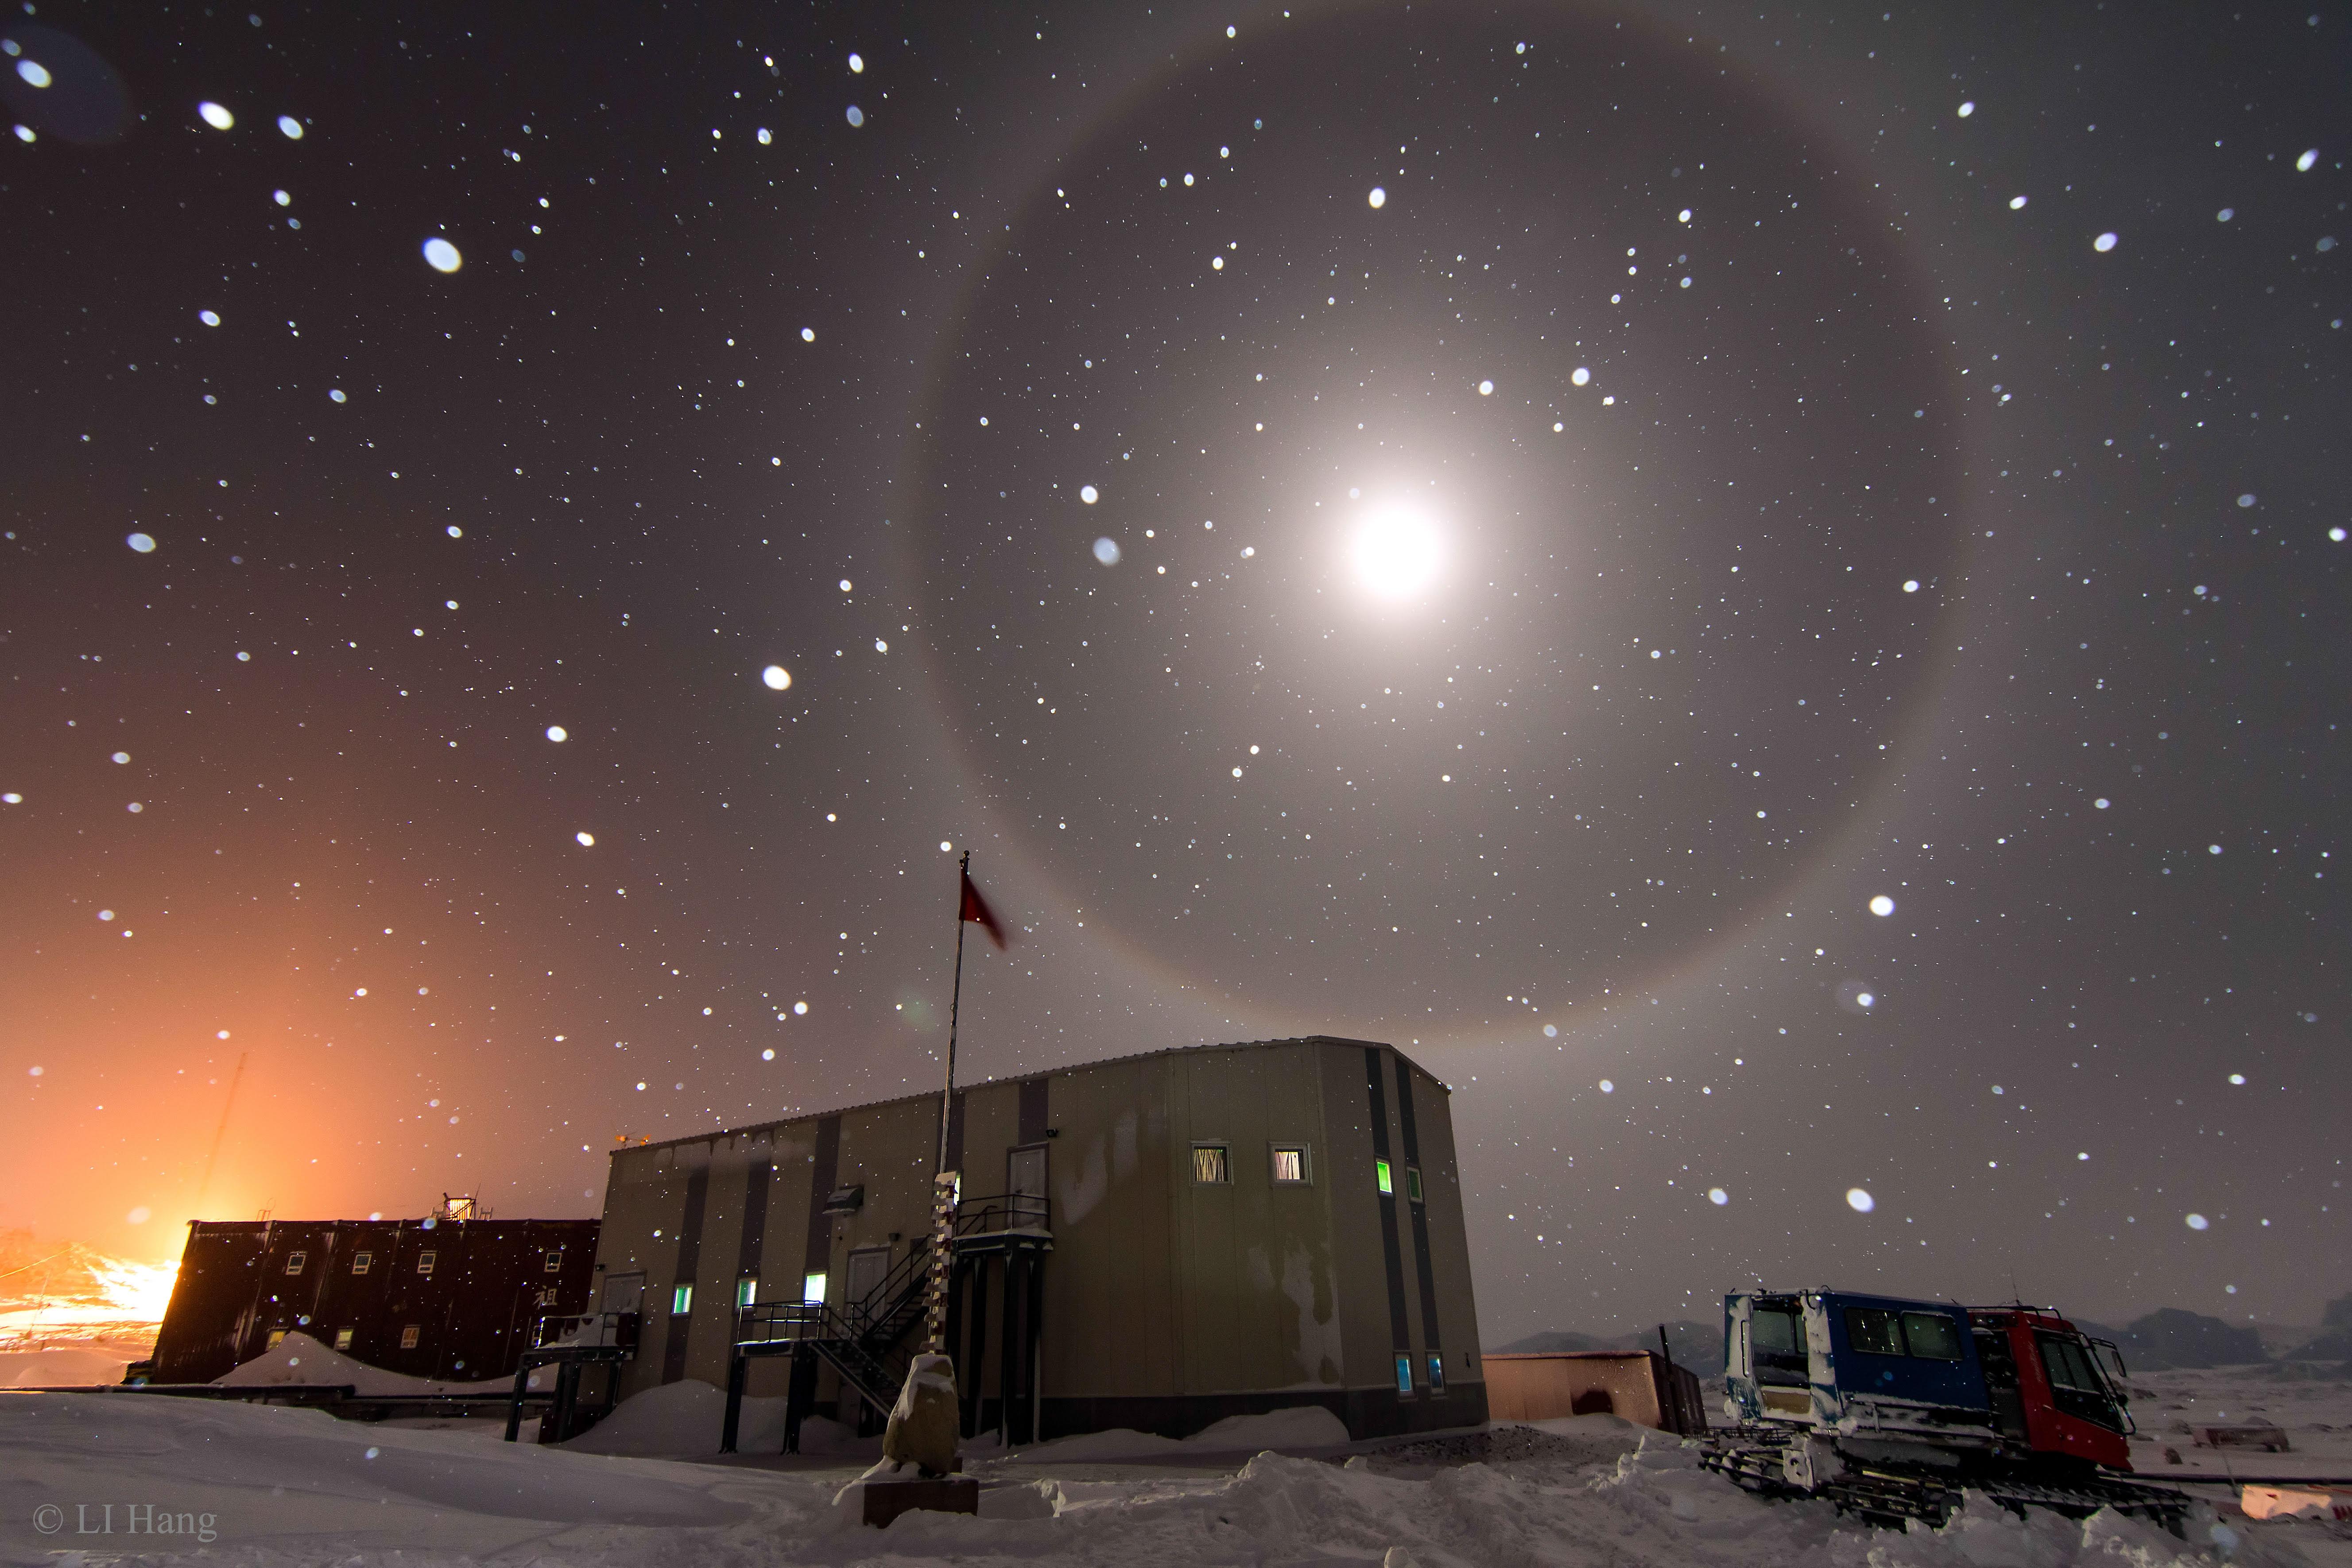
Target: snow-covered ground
2312 1408
273 1485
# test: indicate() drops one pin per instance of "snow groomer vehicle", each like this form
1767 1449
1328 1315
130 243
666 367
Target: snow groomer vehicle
1893 1409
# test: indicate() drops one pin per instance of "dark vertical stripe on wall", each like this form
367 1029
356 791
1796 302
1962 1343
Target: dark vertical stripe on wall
689 1257
1032 1111
1429 1335
955 1131
827 1170
755 1216
1391 1256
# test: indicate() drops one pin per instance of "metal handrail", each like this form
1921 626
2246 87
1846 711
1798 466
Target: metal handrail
873 1317
768 1322
1003 1212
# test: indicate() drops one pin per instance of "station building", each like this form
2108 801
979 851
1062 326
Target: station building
445 1297
1155 1241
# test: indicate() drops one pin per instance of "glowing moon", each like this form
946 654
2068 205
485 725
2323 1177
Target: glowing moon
1396 553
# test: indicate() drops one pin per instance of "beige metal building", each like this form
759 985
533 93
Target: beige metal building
1157 1242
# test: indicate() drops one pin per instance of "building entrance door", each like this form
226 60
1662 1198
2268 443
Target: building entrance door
868 1267
622 1293
1025 1182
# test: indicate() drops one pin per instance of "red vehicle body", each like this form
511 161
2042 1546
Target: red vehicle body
2054 1390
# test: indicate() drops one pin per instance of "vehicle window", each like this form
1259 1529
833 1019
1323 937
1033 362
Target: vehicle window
1931 1335
1778 1340
1874 1330
2067 1365
2075 1386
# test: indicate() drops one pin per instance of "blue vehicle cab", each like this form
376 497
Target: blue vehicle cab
1861 1367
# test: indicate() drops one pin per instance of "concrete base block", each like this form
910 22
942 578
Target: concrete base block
885 1500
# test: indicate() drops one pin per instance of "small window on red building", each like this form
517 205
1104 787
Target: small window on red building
362 1261
553 1264
424 1263
408 1333
295 1261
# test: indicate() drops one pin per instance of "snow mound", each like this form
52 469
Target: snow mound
298 1358
1300 1427
1570 1440
60 1366
688 1417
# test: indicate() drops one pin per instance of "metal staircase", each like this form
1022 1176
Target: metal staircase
864 1340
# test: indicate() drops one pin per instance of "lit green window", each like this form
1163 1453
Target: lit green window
681 1299
1413 1183
813 1289
1388 1189
1405 1374
747 1289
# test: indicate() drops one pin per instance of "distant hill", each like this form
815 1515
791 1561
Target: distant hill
2335 1340
2172 1337
1698 1346
2167 1337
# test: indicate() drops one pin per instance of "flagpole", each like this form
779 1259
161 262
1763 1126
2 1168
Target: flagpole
955 1000
943 1185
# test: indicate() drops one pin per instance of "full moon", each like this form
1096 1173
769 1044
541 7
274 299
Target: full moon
1396 553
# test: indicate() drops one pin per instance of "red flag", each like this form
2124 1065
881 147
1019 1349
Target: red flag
975 908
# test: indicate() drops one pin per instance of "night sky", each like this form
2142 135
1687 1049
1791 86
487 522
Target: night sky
1760 592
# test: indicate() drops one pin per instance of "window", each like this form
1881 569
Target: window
362 1261
1776 1339
2067 1365
343 1339
425 1262
1405 1374
681 1299
408 1333
1413 1183
552 1263
1211 1165
295 1261
1436 1372
1289 1164
274 1336
2075 1386
1931 1335
747 1289
813 1289
1380 1175
1874 1330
